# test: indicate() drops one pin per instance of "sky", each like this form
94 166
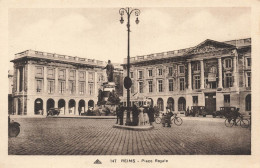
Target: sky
96 33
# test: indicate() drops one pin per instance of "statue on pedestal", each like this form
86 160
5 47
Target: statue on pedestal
110 71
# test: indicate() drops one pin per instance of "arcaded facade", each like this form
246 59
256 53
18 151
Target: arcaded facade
212 74
47 80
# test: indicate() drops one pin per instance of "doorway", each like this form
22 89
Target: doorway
210 102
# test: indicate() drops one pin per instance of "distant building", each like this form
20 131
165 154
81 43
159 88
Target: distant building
44 80
212 74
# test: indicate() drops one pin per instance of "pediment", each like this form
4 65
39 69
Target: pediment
210 46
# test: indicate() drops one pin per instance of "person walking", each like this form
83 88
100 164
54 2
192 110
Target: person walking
146 119
141 115
151 115
135 111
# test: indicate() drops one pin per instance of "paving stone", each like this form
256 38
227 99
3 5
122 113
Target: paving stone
71 136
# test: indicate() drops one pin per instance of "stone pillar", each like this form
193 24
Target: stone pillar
23 81
76 112
201 74
77 82
66 107
56 84
95 83
67 82
18 80
235 71
189 77
220 73
45 82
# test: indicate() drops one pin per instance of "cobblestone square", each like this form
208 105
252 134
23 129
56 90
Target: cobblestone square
70 136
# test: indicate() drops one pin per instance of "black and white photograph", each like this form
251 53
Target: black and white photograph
131 85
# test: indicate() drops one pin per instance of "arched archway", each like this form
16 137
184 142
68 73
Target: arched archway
50 104
72 105
81 107
248 102
160 104
90 103
38 107
181 104
170 103
61 105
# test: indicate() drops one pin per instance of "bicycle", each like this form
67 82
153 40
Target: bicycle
244 123
177 120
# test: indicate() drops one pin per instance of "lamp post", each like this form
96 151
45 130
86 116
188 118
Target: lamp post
128 12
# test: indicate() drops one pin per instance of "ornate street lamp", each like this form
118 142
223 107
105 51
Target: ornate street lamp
128 12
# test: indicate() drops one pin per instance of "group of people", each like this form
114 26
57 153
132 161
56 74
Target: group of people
141 115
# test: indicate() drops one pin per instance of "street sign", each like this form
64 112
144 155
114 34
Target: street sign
127 82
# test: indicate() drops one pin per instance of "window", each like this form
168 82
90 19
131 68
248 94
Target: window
81 88
160 85
91 88
170 84
50 86
132 89
100 77
91 76
228 63
62 86
160 71
181 69
150 73
62 74
150 84
141 89
39 71
196 82
39 85
196 66
248 60
226 100
248 79
81 75
131 74
229 81
72 87
51 73
140 74
182 84
72 75
170 71
195 100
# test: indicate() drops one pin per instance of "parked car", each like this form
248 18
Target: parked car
224 111
196 111
53 111
13 128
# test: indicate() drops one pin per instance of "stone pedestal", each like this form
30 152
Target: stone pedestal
107 88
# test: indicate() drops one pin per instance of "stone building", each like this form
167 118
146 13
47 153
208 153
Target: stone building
44 80
212 74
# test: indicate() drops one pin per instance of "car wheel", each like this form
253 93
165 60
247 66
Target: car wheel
221 116
204 115
213 116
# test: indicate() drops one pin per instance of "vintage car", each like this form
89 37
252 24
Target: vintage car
196 111
224 111
53 111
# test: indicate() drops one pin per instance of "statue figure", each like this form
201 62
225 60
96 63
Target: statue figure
110 71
